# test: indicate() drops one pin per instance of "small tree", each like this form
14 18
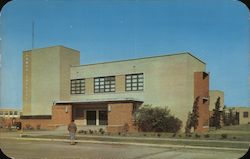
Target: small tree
156 119
195 114
217 114
188 123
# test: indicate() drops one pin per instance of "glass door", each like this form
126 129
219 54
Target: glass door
91 117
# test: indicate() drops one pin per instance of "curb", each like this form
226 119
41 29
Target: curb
129 143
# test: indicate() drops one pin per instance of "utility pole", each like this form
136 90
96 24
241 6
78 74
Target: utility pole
33 34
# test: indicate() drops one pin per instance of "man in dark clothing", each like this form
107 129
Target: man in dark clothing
72 131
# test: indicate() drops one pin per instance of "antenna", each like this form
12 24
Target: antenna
33 33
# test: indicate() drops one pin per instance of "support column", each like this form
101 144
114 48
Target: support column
97 117
85 117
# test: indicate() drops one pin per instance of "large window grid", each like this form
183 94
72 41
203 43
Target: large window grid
77 86
104 84
134 82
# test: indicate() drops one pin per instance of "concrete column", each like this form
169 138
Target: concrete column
97 117
85 118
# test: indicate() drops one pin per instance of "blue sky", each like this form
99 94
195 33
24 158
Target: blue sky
215 31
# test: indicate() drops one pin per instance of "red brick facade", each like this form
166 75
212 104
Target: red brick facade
120 117
61 114
201 90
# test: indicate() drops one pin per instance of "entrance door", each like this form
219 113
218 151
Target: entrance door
103 117
91 117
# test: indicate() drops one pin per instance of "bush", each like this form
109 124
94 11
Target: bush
180 135
188 135
197 135
91 131
223 136
174 135
158 135
206 136
80 131
28 127
101 131
157 119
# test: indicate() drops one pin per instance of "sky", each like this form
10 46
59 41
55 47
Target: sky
217 32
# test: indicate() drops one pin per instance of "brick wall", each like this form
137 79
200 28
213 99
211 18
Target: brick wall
201 89
35 123
61 114
120 115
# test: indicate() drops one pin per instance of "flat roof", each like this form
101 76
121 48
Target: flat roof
176 54
99 101
51 47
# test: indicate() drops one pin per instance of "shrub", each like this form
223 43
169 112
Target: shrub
91 131
101 131
223 136
180 135
158 135
188 135
197 135
28 127
234 137
80 131
174 135
157 119
206 136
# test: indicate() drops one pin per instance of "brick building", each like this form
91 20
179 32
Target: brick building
56 88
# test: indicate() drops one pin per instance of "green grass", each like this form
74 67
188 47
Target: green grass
152 141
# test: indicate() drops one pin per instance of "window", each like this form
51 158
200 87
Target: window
15 112
77 86
1 113
134 82
104 84
11 112
245 114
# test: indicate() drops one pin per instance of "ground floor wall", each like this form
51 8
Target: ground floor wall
120 117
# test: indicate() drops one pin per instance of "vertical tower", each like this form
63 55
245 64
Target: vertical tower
201 90
46 78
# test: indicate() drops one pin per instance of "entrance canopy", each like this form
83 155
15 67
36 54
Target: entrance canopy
103 101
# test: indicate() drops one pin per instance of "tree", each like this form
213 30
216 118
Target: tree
217 114
195 114
188 123
157 119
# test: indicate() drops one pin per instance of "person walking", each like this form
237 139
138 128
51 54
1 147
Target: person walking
72 131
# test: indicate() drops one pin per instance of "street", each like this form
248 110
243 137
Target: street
21 149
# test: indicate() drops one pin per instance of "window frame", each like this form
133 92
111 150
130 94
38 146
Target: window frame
104 84
77 86
134 82
245 114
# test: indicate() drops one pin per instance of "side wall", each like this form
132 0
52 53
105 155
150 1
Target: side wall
213 96
45 79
